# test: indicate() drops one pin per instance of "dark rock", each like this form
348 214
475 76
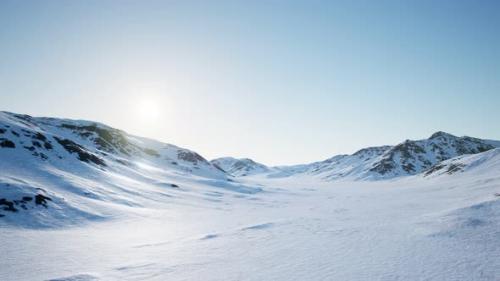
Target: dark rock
439 134
30 148
9 205
189 156
123 162
24 117
7 143
218 168
40 137
42 200
108 139
83 155
453 168
47 145
384 166
37 144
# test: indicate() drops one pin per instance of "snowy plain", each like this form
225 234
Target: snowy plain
410 229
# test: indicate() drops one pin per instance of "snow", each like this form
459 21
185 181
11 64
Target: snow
412 229
150 219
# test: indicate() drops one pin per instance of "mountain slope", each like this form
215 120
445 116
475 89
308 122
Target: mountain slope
240 167
484 162
52 140
386 162
413 157
58 171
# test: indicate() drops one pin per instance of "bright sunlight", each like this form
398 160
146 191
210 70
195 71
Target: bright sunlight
148 110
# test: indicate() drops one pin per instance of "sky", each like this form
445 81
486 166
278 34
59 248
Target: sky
281 82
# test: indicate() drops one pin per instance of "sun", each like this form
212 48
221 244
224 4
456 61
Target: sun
148 110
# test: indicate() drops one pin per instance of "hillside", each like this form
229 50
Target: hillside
59 171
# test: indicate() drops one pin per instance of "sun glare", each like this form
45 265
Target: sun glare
148 110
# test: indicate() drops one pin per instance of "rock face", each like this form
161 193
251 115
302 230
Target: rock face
413 157
240 167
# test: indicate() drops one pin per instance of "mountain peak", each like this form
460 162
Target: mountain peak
439 134
239 166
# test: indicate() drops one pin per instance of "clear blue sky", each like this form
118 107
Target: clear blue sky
282 82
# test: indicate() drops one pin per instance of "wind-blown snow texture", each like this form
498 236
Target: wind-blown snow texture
82 201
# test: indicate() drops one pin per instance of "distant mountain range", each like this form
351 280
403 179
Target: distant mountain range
52 140
374 163
80 166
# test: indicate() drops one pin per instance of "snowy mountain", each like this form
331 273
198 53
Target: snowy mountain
386 162
240 167
480 163
52 170
413 157
55 171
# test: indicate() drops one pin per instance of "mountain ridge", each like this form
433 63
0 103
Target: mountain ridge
96 140
410 157
58 170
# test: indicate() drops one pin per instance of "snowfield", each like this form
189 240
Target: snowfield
105 205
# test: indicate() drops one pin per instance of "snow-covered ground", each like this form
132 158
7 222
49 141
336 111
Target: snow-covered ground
82 201
411 229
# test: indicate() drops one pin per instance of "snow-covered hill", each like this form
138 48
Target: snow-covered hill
413 157
480 163
55 171
95 144
240 167
388 162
